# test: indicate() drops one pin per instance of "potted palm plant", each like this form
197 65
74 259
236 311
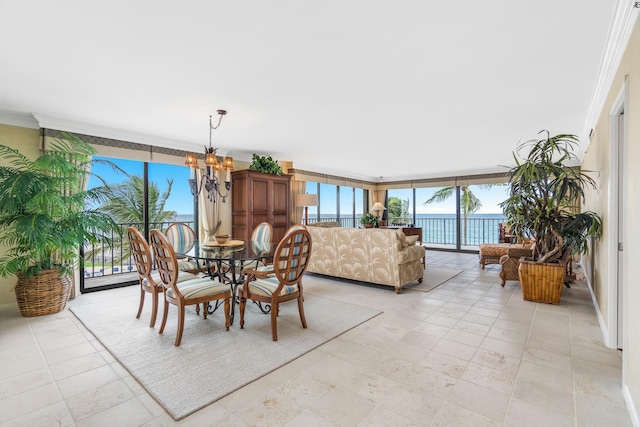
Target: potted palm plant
43 221
370 220
545 192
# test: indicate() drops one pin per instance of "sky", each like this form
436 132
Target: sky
180 200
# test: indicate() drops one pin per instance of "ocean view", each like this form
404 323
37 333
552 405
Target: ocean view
439 229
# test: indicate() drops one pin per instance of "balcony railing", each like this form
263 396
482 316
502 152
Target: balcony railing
442 231
103 260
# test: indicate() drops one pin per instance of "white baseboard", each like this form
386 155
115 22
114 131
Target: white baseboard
631 407
603 325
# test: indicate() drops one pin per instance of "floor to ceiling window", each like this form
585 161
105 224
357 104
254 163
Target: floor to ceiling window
344 204
453 217
145 196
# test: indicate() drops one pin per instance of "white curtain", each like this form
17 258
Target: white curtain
208 213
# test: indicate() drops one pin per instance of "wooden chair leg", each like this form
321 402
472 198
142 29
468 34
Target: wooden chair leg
142 292
503 276
274 320
227 309
301 311
180 324
243 302
154 309
165 314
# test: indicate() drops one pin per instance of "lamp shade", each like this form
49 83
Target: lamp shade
307 200
377 207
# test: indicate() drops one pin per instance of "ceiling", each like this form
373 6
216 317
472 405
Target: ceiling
373 90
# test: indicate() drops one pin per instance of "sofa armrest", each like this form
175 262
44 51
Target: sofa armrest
410 253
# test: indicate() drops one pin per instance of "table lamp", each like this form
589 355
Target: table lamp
306 200
377 208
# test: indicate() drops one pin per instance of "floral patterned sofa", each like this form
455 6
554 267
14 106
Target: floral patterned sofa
374 255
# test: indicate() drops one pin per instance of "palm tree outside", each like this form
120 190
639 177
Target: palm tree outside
469 203
398 211
125 205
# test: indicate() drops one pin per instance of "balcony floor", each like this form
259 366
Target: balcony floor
492 358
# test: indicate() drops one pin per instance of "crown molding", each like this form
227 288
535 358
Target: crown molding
624 19
24 120
50 122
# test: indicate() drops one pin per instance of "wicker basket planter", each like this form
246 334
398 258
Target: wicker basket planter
45 293
541 282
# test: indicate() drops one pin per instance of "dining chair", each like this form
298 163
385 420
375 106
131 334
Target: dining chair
149 279
182 237
189 292
284 283
261 235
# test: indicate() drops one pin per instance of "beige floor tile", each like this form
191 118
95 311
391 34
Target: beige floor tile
56 414
540 374
24 382
455 349
434 330
415 404
544 395
490 403
396 369
342 407
85 381
77 365
547 358
445 364
525 414
68 353
490 378
420 339
97 400
305 418
32 400
596 353
478 320
383 417
496 360
30 361
270 409
305 389
596 412
454 415
130 413
507 335
507 348
462 337
471 327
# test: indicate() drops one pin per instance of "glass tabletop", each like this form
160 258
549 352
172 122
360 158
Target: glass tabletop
247 250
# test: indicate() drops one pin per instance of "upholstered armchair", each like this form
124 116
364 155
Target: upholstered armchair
511 261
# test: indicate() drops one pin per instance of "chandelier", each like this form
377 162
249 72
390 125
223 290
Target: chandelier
210 180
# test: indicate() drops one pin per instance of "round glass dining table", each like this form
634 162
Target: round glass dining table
226 261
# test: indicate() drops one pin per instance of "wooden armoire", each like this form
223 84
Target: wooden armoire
258 197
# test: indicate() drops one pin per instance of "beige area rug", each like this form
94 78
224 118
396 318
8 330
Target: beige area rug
211 362
433 277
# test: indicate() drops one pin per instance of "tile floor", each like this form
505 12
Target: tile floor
468 353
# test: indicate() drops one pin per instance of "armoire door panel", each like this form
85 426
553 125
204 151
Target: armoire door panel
259 197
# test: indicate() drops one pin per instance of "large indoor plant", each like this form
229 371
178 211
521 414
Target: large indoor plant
543 204
44 221
370 220
265 164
